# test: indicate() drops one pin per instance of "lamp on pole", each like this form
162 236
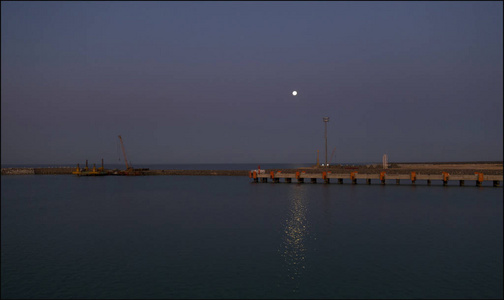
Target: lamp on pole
325 119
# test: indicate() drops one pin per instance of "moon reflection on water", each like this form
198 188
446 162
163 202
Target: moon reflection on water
294 238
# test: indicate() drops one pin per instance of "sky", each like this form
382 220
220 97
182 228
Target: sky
212 82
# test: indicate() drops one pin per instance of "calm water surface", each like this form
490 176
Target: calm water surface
225 237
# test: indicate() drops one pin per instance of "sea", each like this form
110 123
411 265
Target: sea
148 237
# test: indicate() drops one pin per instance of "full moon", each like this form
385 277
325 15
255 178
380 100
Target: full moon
294 93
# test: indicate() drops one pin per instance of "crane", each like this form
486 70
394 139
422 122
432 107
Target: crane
332 154
128 167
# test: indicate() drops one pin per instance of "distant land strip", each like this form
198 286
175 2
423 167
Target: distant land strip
455 168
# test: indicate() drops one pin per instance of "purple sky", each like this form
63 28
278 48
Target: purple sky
212 82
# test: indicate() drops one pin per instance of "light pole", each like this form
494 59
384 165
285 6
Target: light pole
325 119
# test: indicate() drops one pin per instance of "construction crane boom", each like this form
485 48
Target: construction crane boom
124 153
332 154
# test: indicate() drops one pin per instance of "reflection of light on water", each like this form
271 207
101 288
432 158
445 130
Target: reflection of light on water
295 231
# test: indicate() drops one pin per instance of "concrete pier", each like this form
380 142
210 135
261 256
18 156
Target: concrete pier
354 177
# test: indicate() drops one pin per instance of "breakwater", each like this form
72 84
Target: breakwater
68 171
18 171
36 171
54 171
199 172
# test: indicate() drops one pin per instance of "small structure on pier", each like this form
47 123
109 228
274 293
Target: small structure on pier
385 161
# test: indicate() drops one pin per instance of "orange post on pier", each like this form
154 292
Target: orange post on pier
382 177
446 176
480 178
413 177
352 177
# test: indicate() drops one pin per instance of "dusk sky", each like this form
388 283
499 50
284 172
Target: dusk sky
212 82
